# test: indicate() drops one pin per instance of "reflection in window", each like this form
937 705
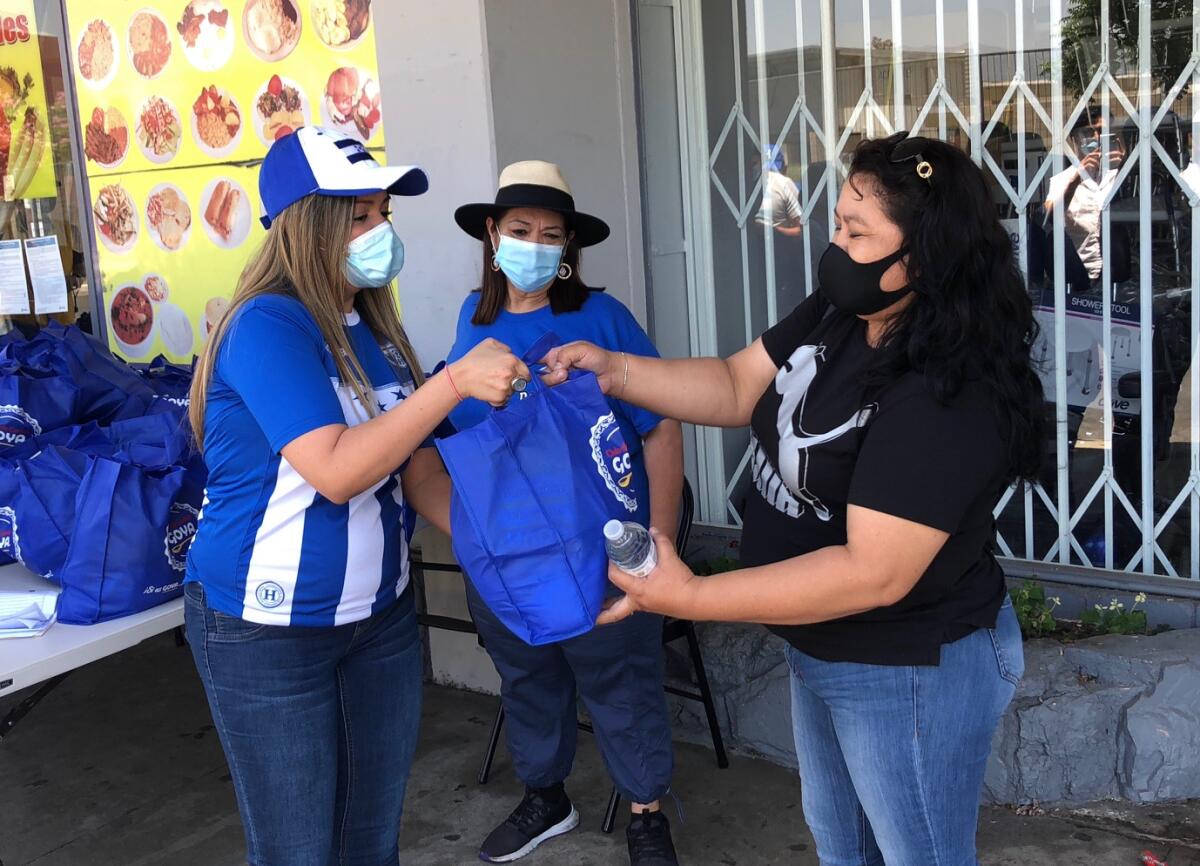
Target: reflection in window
1093 174
49 203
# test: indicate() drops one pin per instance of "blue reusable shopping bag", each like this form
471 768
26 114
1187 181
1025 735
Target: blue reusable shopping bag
34 399
171 382
105 374
129 544
62 377
110 513
8 494
39 526
93 357
156 441
533 487
44 506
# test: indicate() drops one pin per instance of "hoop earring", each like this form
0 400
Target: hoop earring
564 271
495 264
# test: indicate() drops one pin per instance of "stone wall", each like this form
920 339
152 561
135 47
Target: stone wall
1110 717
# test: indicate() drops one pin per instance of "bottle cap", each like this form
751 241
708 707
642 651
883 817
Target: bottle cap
613 530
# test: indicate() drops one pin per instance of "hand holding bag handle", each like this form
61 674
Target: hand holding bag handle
533 355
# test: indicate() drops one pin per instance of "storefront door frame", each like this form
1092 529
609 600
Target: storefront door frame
83 192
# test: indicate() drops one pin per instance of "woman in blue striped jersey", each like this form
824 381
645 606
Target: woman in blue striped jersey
317 440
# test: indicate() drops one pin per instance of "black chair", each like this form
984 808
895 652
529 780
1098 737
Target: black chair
673 630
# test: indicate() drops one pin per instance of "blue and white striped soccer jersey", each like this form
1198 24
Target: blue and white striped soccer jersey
269 548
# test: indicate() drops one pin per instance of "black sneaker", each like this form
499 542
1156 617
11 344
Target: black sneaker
649 837
543 814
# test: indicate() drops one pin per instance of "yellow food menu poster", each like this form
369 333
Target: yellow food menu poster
178 101
177 242
26 168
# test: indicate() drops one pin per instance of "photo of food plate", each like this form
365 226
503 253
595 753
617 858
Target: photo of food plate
22 133
271 28
131 317
106 137
280 107
351 103
341 23
225 212
149 43
168 217
156 287
214 311
96 54
206 34
174 329
217 122
159 130
116 218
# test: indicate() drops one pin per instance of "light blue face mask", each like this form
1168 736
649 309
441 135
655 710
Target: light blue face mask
374 258
527 265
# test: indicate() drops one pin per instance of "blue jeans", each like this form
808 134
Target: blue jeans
319 727
618 671
892 758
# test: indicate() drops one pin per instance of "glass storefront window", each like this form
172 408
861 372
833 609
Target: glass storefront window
49 203
1080 113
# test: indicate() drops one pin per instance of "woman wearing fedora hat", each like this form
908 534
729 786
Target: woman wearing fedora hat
532 235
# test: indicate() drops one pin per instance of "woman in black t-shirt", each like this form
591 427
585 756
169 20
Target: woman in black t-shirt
889 412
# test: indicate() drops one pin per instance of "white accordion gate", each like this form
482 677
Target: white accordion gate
1008 81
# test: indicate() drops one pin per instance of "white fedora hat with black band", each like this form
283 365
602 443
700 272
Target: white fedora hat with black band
537 184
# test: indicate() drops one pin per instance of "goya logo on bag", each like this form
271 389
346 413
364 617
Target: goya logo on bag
10 544
620 461
16 426
181 529
613 461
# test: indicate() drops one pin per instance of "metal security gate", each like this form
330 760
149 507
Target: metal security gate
1030 88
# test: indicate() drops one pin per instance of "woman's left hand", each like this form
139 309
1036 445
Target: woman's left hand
671 589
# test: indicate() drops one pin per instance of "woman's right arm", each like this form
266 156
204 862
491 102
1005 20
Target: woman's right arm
341 462
715 392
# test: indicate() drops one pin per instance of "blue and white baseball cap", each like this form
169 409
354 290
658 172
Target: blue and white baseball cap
315 160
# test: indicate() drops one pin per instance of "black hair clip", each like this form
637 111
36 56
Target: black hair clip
911 148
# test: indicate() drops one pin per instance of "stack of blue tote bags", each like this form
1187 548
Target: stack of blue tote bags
100 482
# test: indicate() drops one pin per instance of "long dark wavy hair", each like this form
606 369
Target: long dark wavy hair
971 318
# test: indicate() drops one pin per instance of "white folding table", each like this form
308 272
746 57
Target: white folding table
47 659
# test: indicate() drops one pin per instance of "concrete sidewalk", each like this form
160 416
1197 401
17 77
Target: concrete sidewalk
120 766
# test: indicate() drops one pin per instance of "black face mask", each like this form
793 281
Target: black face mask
853 287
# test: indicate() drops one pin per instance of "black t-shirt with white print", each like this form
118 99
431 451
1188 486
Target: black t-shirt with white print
822 442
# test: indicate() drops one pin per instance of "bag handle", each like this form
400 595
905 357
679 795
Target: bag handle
532 355
540 347
85 571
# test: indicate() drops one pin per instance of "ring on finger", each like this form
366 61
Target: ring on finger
518 384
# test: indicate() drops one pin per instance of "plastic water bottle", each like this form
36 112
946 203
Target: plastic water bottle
630 547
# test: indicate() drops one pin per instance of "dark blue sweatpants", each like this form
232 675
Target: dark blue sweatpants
616 669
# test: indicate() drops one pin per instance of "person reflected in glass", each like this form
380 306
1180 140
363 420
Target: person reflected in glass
780 207
1081 191
780 213
889 411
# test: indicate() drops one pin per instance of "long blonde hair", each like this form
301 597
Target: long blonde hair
302 257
